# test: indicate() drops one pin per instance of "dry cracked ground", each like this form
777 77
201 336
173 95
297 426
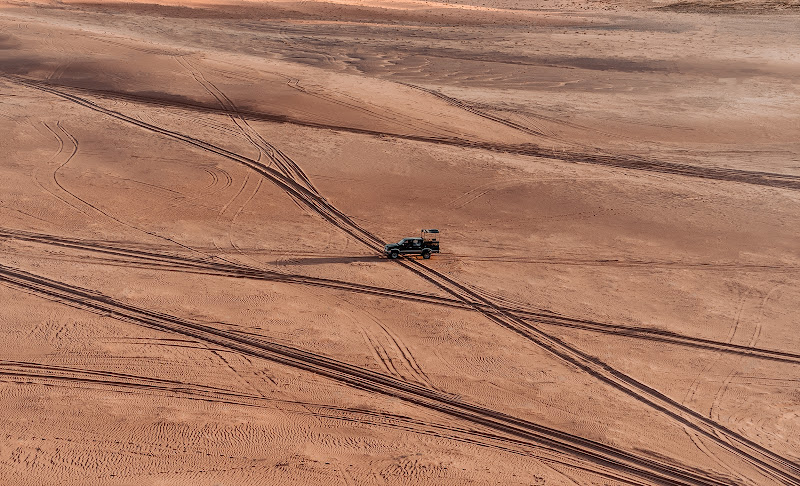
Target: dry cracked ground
194 199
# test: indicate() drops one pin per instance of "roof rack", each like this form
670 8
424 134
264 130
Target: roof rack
431 235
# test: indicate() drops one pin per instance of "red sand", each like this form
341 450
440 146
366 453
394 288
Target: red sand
193 201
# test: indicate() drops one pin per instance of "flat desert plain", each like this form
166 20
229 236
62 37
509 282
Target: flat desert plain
195 198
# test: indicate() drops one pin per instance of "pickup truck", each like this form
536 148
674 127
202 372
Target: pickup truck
425 245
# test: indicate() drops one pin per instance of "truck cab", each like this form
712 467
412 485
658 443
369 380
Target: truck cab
426 244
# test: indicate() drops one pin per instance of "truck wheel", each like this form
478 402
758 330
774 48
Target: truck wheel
426 254
394 254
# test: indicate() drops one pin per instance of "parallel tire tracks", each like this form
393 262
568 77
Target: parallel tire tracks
626 465
71 377
624 161
60 151
467 107
769 463
630 162
285 164
116 253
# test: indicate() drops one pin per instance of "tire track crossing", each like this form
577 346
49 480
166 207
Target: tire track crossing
626 465
116 253
629 162
769 463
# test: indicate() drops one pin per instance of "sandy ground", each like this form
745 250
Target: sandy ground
193 198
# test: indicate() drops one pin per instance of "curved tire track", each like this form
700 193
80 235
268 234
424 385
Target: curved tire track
630 162
771 464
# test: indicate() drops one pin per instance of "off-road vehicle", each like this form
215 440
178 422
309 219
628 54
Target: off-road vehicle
425 245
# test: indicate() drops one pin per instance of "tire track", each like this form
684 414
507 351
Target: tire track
691 392
55 156
734 373
536 131
37 370
236 372
393 354
408 359
236 216
771 464
289 169
626 465
630 162
284 163
235 196
380 354
478 192
214 178
468 107
597 155
163 261
228 178
629 263
32 373
89 205
358 105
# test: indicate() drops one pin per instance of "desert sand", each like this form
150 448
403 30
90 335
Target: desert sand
194 197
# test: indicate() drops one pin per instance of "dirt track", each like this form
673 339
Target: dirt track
194 201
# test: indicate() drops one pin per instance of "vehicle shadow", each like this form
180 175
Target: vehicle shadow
331 259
